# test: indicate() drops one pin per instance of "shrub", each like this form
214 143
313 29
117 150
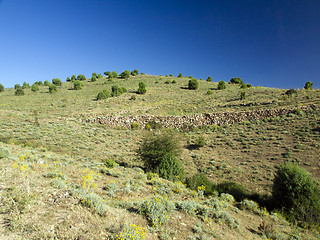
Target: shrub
125 74
174 81
103 95
296 194
199 180
180 75
81 77
155 147
133 97
52 88
110 163
291 91
57 82
4 153
1 88
35 87
19 92
236 80
134 125
308 85
99 75
73 78
25 85
244 86
170 168
249 85
114 74
135 72
142 88
108 74
200 142
209 92
221 85
209 79
17 86
115 91
39 83
167 82
233 188
46 83
123 90
77 85
193 84
242 95
93 78
68 79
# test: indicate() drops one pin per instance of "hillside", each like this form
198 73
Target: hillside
54 147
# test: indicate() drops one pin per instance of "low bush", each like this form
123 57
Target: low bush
35 87
200 142
198 180
110 163
57 81
236 80
17 86
52 88
103 95
290 92
25 85
174 81
296 194
142 88
115 91
1 88
209 92
93 78
193 84
81 77
46 83
233 188
209 79
167 82
170 168
19 92
180 75
308 85
221 85
77 85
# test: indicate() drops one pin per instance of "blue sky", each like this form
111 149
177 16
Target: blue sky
272 43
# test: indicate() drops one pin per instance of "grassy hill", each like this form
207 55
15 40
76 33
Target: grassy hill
55 184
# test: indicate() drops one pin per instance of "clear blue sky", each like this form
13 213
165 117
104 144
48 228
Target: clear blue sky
272 43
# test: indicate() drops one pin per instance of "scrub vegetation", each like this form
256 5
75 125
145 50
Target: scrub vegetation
65 177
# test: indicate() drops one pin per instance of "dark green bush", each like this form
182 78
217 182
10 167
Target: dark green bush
308 85
233 188
93 78
115 91
296 194
77 85
52 88
46 83
108 74
135 72
81 77
125 74
103 95
1 88
249 85
221 85
242 95
142 88
209 79
39 83
170 168
99 75
73 77
123 90
209 92
19 92
291 91
114 74
244 86
193 84
57 81
155 147
167 82
198 180
236 80
17 86
180 75
25 85
35 87
68 79
174 81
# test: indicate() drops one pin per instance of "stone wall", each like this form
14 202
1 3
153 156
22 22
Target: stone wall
196 120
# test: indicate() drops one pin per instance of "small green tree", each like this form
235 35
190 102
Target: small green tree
308 85
73 78
57 81
93 78
125 74
19 92
221 85
81 77
52 88
114 74
46 83
142 88
77 85
99 75
243 86
135 72
180 75
94 74
35 87
68 79
103 95
193 84
39 83
25 85
115 91
17 86
1 88
297 194
108 74
209 79
236 80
